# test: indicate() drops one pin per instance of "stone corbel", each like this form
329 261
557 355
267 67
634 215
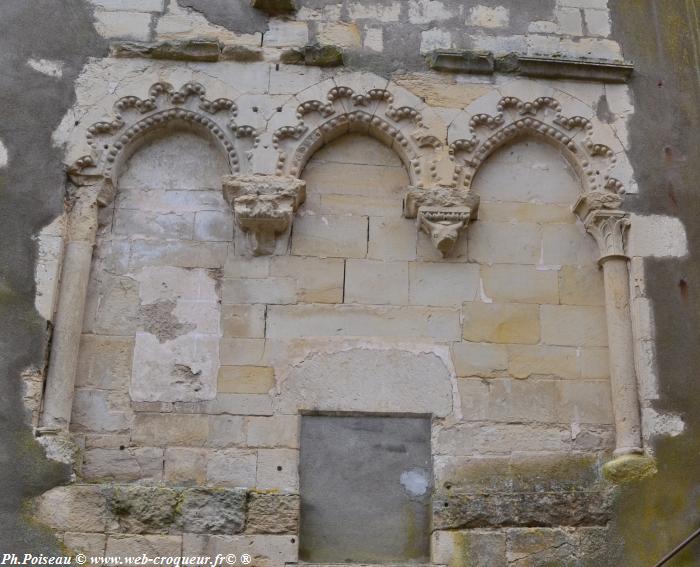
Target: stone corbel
263 209
442 213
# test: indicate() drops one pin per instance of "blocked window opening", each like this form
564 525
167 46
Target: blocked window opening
365 484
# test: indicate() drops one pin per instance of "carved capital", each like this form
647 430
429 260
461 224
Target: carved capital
600 214
263 207
442 212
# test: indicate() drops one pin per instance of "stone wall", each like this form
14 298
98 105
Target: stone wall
198 359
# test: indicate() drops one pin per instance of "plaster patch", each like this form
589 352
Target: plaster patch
488 17
655 423
658 236
415 482
50 67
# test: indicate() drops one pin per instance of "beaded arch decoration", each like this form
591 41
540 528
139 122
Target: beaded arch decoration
112 142
541 118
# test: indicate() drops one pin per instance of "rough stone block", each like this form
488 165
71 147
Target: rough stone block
526 360
479 359
392 238
501 323
123 545
520 284
243 321
270 290
170 429
75 508
276 431
441 284
278 470
242 352
318 280
376 282
569 325
357 320
104 362
497 242
232 467
213 226
328 235
272 513
213 511
226 431
584 401
245 380
581 285
185 466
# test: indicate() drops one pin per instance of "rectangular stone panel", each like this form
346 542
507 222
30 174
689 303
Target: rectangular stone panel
365 485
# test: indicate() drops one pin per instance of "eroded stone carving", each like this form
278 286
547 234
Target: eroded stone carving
600 214
442 213
264 207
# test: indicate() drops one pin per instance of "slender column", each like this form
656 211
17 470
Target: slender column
609 226
63 361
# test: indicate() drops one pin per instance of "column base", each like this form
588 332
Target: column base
58 446
629 467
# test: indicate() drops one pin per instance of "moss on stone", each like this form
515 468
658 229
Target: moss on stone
629 468
314 55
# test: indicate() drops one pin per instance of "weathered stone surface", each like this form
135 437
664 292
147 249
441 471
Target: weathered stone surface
245 321
142 509
581 285
476 548
400 381
314 55
122 545
277 431
329 235
274 7
541 546
569 325
376 282
232 468
441 284
278 470
266 550
461 61
184 50
122 464
212 511
392 238
584 401
170 429
90 544
479 359
184 466
501 323
318 280
521 284
76 508
242 352
526 360
226 431
272 513
104 362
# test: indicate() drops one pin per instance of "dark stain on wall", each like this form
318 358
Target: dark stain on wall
663 39
31 196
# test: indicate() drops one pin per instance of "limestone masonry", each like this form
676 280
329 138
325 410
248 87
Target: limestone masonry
352 282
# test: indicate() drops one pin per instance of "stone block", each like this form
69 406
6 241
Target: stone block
213 226
355 173
116 306
569 20
594 363
488 16
385 12
384 206
474 398
129 5
123 25
242 352
245 380
284 33
246 266
232 404
100 411
122 464
497 211
581 285
170 429
400 381
276 431
435 39
344 35
520 284
123 545
318 280
289 321
278 470
373 39
569 325
272 513
527 360
226 431
104 362
598 22
585 401
92 545
479 359
392 238
506 243
243 321
232 467
501 323
564 244
75 508
476 548
376 282
523 400
540 546
142 509
426 11
442 284
213 511
270 290
146 224
266 550
177 253
184 466
328 235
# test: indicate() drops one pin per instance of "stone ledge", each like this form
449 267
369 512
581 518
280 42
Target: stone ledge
484 63
206 50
